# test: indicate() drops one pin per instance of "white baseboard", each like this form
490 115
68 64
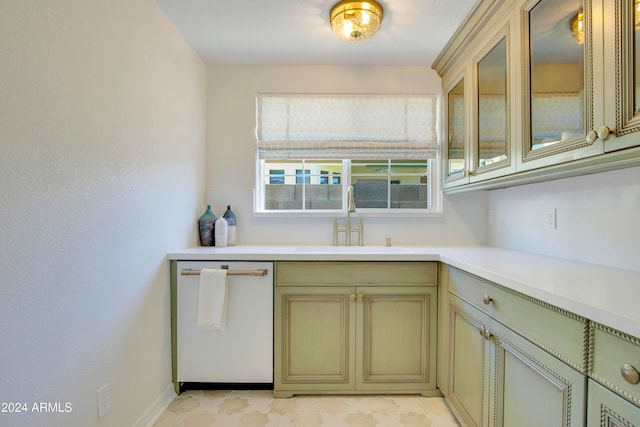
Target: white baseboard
156 409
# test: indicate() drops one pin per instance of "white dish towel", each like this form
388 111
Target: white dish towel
212 300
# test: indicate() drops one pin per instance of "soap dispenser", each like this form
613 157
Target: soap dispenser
231 226
221 232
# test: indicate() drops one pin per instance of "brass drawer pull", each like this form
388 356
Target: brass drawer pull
486 299
630 374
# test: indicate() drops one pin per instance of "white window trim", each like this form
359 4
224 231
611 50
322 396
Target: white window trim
434 211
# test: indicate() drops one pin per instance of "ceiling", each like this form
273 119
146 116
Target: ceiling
288 32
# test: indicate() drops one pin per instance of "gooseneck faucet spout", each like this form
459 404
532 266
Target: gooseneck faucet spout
351 207
351 204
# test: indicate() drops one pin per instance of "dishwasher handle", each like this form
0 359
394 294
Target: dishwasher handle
259 272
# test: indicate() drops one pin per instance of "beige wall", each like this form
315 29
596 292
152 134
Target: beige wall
102 131
231 154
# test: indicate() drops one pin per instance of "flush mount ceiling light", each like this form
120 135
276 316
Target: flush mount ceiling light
577 23
355 20
577 27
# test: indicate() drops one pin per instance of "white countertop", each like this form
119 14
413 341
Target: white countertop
606 295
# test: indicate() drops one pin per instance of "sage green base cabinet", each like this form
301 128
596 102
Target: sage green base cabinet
469 364
606 409
614 384
498 377
355 328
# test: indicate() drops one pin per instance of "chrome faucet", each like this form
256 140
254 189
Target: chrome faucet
347 229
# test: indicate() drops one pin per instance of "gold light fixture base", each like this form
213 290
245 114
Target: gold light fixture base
577 27
355 20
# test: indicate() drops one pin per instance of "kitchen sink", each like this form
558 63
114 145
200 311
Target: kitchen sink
365 250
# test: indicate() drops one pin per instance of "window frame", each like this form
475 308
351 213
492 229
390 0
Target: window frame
434 197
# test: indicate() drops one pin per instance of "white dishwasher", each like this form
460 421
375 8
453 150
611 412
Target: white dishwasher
243 353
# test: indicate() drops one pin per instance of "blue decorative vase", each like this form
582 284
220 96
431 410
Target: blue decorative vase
231 226
206 225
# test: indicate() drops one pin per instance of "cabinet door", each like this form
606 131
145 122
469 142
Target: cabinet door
314 339
622 73
470 356
456 156
562 81
606 409
493 129
534 388
396 338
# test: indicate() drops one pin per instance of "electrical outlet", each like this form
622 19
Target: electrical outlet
104 400
551 218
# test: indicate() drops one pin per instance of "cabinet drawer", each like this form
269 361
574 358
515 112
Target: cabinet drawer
314 273
611 350
561 333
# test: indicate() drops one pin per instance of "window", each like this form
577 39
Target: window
311 147
324 177
307 179
276 176
389 184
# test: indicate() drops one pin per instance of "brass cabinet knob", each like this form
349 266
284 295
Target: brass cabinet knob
485 333
360 297
352 297
591 136
486 299
630 374
604 132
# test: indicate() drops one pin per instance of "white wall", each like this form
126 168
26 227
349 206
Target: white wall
231 155
102 133
597 218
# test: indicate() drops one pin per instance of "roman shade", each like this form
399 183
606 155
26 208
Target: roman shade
309 126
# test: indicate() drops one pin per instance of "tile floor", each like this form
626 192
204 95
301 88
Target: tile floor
216 408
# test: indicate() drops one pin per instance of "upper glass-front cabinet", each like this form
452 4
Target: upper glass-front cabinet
581 93
455 116
493 108
492 125
558 84
547 82
556 75
622 72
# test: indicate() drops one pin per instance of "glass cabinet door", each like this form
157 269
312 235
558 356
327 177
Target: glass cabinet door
556 74
559 82
492 150
622 62
455 165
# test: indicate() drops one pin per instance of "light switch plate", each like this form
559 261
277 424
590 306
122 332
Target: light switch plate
551 218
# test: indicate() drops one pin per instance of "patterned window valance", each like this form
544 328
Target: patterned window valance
294 126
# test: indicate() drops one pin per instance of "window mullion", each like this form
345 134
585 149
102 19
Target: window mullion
388 184
346 181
